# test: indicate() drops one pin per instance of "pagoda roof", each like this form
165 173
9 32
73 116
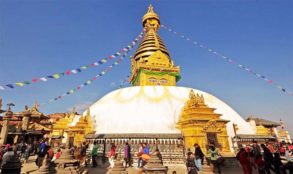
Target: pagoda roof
37 126
263 122
34 112
13 121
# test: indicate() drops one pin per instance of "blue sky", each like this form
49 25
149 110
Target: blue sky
38 38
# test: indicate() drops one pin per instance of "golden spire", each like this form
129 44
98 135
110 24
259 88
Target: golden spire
151 42
151 64
150 15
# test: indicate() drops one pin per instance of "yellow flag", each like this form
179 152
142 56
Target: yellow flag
20 84
56 76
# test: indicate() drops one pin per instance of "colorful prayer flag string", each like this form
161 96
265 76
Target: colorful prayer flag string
74 71
88 82
229 60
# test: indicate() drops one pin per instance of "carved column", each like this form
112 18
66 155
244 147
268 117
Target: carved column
4 130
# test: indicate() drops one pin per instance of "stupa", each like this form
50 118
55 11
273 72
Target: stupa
151 109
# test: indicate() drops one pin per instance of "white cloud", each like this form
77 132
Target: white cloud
81 107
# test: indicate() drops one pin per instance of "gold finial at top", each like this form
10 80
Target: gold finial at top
151 9
194 100
150 15
36 106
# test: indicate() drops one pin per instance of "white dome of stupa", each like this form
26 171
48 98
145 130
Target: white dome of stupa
154 109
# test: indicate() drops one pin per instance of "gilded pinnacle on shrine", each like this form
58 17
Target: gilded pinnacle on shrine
150 15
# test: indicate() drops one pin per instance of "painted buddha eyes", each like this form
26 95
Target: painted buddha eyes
158 81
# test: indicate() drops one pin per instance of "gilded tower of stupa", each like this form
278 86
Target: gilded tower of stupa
152 64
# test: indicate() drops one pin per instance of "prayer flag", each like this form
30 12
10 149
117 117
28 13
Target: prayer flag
43 79
83 67
51 77
35 80
10 85
68 72
20 84
56 76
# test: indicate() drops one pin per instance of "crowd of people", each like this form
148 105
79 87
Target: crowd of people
143 154
265 158
23 151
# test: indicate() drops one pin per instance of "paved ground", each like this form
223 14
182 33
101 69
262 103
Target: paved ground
30 167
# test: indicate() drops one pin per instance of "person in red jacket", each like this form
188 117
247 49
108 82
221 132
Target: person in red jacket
244 159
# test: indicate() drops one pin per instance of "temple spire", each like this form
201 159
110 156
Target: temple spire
151 64
151 19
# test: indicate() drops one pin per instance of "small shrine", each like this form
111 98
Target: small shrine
58 135
263 126
77 131
266 131
200 124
